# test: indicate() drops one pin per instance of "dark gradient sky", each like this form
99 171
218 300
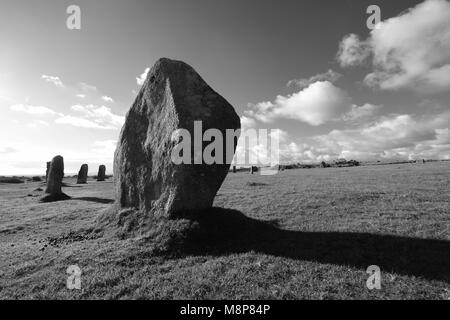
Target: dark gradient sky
246 50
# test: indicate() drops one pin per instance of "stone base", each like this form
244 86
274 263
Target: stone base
55 197
162 232
203 232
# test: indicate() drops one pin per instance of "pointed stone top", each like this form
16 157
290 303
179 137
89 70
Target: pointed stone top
191 95
169 68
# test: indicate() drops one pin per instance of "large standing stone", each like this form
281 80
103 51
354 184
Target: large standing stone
101 173
153 194
82 174
54 181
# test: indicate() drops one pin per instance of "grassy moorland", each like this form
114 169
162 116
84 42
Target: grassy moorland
301 234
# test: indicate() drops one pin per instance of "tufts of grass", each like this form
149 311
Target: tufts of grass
307 234
256 184
10 180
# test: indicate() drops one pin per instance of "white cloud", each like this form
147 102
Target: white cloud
254 146
141 79
104 146
107 99
319 103
53 79
395 136
30 159
36 123
410 51
79 122
361 112
7 150
87 87
352 51
81 96
247 123
34 110
391 137
102 116
330 76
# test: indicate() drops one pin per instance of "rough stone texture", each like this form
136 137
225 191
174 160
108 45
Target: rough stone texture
47 171
101 173
82 174
153 194
54 181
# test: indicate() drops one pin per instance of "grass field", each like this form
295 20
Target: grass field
301 234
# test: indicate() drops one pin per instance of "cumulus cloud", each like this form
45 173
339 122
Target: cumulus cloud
410 51
53 79
7 150
318 103
361 112
101 116
36 123
396 136
389 133
141 79
107 99
247 122
79 122
87 87
352 51
34 110
255 146
390 137
330 76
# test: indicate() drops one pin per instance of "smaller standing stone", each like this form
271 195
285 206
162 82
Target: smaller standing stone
101 173
54 181
82 174
234 169
47 171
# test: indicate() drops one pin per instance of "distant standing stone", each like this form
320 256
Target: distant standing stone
54 181
101 173
82 174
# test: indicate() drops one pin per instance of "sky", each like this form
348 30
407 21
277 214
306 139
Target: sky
312 68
